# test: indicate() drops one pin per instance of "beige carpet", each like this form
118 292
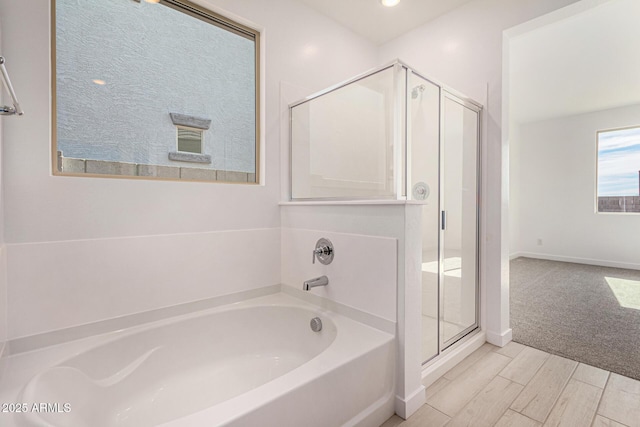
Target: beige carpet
586 313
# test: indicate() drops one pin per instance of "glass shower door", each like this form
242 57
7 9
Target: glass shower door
458 219
423 101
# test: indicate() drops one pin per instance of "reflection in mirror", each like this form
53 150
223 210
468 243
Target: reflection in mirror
134 99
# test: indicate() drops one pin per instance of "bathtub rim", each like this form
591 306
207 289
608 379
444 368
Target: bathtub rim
32 343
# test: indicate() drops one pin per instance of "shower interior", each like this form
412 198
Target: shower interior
392 134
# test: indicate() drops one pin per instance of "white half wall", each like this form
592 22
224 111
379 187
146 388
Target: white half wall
362 275
463 49
373 225
557 193
84 281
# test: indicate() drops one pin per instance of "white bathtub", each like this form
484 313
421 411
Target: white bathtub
255 363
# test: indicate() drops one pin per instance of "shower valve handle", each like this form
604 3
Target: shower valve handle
323 251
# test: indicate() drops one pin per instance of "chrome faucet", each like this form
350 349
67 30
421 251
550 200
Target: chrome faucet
318 281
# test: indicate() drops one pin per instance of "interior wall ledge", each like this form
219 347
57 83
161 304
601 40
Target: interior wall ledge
350 202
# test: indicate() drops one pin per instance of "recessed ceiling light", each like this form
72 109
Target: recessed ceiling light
99 82
152 1
389 3
309 50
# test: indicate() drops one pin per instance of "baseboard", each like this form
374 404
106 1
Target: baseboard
451 357
600 262
406 407
515 255
499 339
375 415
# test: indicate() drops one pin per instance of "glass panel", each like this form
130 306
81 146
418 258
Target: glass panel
342 142
459 202
618 164
424 114
190 140
128 73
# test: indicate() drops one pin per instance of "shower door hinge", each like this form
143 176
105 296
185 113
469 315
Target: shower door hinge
443 222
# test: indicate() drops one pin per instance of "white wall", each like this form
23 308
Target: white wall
3 252
48 219
515 158
463 49
557 192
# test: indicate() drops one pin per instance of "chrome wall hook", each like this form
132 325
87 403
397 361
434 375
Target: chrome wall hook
6 110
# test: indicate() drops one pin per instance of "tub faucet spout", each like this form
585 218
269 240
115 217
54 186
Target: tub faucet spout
312 283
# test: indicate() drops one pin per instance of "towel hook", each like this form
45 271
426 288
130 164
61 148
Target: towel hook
6 110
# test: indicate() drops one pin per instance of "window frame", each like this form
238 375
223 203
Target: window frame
198 12
200 131
597 169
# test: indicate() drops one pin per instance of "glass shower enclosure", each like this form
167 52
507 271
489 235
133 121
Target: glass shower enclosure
393 134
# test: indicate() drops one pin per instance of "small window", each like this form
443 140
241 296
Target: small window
619 170
190 140
154 90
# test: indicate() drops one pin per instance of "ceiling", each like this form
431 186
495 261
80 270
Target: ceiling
378 23
587 62
584 63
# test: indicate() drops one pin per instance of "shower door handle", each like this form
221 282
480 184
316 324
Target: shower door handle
443 222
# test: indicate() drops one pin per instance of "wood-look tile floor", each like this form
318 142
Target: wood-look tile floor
519 386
